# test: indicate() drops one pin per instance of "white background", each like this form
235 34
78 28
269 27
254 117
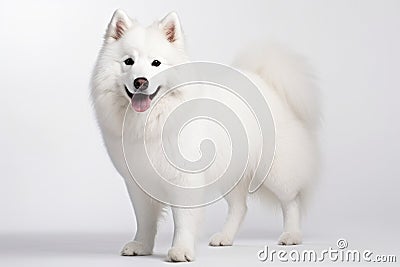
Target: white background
58 185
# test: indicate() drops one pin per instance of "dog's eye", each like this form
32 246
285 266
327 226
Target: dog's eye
129 61
155 63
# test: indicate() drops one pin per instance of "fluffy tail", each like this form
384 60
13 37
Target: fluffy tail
289 74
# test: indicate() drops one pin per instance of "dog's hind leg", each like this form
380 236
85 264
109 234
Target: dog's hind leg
291 222
237 208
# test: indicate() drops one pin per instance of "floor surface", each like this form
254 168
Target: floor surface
103 250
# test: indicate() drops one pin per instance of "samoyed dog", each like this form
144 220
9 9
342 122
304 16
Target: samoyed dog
123 95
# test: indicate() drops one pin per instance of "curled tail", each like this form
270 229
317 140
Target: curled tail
289 74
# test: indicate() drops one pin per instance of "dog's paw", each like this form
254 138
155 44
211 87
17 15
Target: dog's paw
180 254
290 238
221 239
135 248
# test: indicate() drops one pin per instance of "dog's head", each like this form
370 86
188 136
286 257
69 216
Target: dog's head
132 54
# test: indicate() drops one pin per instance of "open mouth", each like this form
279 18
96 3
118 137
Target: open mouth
141 102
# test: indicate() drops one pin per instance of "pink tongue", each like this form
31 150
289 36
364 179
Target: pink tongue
140 103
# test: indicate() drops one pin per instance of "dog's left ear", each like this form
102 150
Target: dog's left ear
171 27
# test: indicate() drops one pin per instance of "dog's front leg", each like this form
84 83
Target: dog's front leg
147 212
185 231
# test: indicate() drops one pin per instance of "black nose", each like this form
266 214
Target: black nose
141 83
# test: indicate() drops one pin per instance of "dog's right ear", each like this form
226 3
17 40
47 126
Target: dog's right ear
118 25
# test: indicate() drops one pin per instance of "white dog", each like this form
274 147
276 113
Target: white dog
130 56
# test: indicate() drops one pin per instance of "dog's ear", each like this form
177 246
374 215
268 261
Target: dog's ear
118 25
171 27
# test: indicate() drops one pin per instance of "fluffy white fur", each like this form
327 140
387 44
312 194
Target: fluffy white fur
287 84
